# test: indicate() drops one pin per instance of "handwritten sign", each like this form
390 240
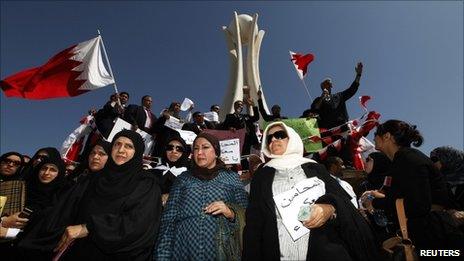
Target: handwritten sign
121 124
228 135
288 204
173 123
230 151
188 136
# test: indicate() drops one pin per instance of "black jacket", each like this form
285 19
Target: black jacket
415 179
268 117
195 128
241 121
348 237
333 112
135 115
104 118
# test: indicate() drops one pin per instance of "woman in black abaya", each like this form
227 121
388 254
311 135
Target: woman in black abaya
117 212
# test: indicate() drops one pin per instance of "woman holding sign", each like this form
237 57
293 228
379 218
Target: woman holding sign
202 218
338 231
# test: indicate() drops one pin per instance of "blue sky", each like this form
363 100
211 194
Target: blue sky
412 53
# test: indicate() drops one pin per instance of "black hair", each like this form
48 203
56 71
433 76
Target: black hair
145 96
403 133
331 161
121 93
213 106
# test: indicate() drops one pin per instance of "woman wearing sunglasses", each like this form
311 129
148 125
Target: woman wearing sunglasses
10 166
418 182
174 161
338 231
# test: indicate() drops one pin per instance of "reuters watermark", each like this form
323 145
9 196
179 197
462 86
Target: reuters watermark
441 252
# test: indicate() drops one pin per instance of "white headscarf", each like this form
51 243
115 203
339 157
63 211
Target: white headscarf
293 155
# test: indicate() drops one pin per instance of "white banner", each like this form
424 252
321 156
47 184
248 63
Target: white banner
186 104
121 124
188 136
174 123
211 116
230 151
288 204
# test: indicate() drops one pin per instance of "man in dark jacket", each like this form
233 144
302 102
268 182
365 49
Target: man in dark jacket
199 124
237 120
331 107
141 117
105 117
275 116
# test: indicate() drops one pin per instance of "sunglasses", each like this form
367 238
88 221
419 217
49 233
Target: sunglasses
41 157
174 147
15 163
278 135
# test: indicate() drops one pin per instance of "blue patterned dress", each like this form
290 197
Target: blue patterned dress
186 232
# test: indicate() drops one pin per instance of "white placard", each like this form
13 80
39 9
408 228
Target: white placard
121 124
174 123
188 136
211 116
186 104
288 204
230 151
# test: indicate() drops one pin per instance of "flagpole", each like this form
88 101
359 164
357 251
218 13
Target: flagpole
108 62
307 91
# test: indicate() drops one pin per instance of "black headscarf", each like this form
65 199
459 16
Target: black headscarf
83 168
452 161
17 174
40 195
205 173
29 168
119 180
183 161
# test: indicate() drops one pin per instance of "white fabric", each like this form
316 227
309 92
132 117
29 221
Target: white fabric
148 122
92 67
12 232
348 188
186 104
289 249
292 157
174 170
212 116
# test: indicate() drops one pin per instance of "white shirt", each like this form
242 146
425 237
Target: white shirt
148 120
348 188
285 180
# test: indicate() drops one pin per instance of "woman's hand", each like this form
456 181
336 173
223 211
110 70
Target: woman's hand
219 207
164 199
70 234
14 221
367 197
320 213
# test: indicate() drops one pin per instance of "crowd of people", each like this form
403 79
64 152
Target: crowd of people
190 205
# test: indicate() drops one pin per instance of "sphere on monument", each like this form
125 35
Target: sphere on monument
245 22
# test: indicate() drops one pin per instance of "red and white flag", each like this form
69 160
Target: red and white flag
73 71
301 63
75 144
363 101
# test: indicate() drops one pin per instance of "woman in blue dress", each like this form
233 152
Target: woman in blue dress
203 204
